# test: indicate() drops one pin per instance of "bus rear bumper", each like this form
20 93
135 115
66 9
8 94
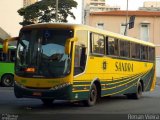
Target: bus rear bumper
63 93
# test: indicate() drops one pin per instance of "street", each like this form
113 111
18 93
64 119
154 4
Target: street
148 104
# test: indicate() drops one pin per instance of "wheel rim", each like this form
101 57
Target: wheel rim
7 81
93 95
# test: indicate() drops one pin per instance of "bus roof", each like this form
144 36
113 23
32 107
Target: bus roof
89 28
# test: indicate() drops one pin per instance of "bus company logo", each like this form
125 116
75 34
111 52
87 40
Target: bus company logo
125 67
104 65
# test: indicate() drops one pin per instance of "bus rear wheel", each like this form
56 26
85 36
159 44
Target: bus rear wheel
47 102
93 96
7 80
138 93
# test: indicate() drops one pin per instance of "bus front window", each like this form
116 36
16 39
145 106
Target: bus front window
43 50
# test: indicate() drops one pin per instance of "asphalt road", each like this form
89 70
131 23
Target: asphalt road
115 105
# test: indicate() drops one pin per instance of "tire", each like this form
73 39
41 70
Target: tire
138 93
93 96
47 102
7 80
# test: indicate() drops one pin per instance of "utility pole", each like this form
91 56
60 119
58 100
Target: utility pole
56 10
126 28
83 12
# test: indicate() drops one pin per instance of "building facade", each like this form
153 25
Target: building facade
28 2
146 27
98 5
89 6
151 6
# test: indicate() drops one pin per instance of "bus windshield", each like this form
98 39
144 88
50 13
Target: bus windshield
43 51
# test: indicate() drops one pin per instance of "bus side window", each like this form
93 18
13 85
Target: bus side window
144 52
83 58
1 56
98 44
151 54
13 54
113 46
125 49
138 50
135 51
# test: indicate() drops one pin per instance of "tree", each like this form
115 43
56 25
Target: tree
44 11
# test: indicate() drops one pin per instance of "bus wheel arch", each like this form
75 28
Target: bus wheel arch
94 93
7 80
139 90
138 94
142 83
98 85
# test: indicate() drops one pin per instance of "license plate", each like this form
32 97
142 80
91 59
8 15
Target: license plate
37 94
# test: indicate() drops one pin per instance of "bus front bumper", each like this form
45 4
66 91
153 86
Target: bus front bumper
63 93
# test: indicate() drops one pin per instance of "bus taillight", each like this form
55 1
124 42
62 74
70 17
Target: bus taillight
30 70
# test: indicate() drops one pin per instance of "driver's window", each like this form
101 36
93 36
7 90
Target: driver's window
80 59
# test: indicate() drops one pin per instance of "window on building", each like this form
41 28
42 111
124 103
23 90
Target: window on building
144 35
100 25
94 4
122 28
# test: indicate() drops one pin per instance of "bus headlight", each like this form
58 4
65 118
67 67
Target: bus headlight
18 84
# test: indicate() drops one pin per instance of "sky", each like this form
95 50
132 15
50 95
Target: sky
9 18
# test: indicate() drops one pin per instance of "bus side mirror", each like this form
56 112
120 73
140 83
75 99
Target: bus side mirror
5 43
68 45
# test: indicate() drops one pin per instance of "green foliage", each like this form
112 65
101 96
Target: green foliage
44 11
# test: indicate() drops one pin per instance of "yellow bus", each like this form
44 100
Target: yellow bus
81 63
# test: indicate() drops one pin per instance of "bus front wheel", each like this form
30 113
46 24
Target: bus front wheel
93 96
7 80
